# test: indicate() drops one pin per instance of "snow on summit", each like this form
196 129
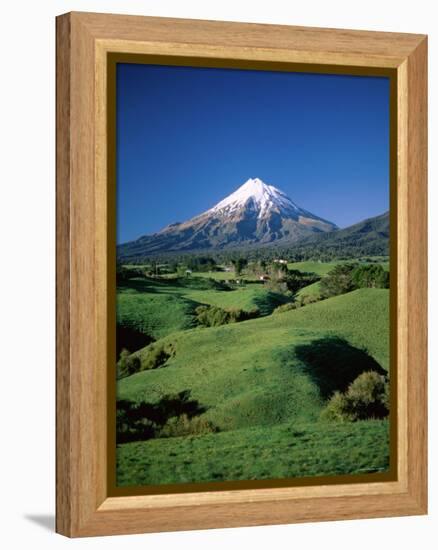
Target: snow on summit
260 196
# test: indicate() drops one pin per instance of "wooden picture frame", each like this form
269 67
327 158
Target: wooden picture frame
85 42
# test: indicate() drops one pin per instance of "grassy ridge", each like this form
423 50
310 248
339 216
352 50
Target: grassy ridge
311 290
156 315
257 372
247 298
159 308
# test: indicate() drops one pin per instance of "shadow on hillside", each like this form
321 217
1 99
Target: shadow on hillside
333 363
269 301
142 421
171 286
131 339
140 285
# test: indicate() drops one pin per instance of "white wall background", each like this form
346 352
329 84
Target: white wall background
27 289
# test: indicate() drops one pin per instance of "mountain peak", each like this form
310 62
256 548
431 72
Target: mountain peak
255 187
255 213
258 195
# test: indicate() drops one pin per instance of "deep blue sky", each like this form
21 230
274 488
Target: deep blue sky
188 137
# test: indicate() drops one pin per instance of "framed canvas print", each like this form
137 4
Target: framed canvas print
241 274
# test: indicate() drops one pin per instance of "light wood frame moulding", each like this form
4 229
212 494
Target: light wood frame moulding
84 42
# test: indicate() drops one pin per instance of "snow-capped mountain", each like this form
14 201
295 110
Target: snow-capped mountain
260 196
256 213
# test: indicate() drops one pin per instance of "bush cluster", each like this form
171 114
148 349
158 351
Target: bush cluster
174 415
288 281
128 363
200 263
156 355
370 276
183 425
124 274
212 316
153 357
299 302
347 277
285 307
366 397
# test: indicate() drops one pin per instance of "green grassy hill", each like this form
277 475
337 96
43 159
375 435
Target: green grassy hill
159 307
311 290
248 297
323 268
261 374
150 308
282 451
220 363
320 268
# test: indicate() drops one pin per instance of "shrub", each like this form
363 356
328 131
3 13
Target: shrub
183 425
201 263
286 307
156 355
123 274
128 364
386 397
239 264
338 281
172 416
337 409
366 397
309 299
277 285
296 280
370 276
300 302
237 315
131 424
212 316
346 277
209 316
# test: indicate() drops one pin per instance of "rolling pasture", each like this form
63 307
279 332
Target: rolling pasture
261 383
283 450
160 307
320 268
